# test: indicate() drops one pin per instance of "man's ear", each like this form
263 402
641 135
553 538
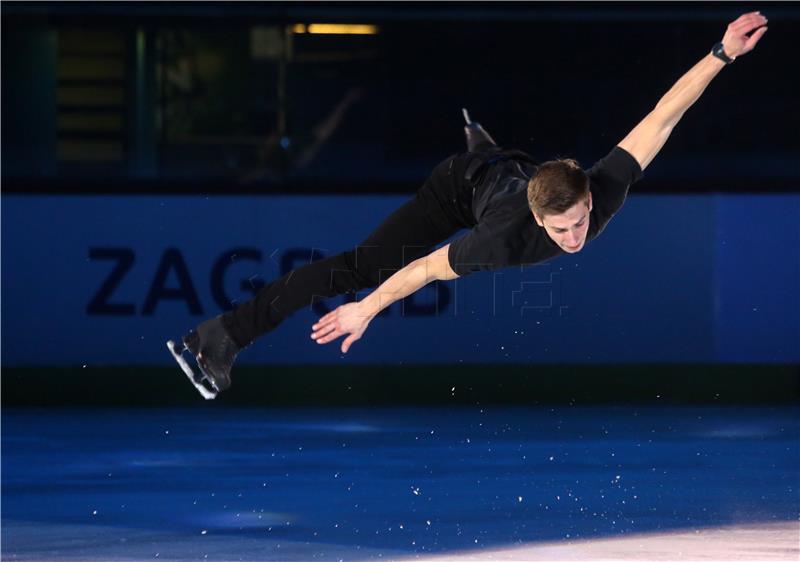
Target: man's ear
537 218
590 201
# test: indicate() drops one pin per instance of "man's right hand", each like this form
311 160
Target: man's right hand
743 34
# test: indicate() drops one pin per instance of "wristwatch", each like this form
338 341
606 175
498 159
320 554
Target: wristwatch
719 51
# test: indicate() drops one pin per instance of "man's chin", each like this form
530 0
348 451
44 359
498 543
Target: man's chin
572 250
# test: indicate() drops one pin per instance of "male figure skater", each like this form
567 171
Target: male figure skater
517 213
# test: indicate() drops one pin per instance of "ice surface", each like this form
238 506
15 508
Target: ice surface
212 483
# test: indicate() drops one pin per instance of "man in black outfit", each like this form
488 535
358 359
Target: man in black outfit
517 212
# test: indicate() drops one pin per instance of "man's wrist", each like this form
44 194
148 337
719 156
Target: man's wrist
370 306
718 50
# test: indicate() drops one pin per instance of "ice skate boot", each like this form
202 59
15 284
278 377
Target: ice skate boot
477 137
214 352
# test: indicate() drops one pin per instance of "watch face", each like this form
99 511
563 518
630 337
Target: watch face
719 52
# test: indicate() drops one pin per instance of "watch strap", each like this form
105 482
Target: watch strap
718 51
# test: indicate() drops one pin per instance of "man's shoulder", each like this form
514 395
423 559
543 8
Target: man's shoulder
618 164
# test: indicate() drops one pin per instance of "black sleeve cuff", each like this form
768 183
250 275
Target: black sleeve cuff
624 162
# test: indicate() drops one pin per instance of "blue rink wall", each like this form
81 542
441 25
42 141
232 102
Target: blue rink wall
103 280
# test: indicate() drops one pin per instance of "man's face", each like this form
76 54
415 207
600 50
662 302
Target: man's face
568 229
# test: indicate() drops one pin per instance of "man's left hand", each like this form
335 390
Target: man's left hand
348 319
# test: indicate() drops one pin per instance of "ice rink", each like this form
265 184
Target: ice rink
470 483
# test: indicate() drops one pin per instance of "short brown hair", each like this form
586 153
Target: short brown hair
557 186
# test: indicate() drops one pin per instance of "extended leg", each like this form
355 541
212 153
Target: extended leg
437 211
407 234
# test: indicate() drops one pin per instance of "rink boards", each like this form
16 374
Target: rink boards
107 280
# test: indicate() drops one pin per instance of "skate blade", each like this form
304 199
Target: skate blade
187 369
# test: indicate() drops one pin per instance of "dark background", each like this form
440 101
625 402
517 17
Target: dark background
174 97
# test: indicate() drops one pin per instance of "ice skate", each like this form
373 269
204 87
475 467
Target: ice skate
213 351
477 137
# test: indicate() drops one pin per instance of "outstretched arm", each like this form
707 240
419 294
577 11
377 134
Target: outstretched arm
647 138
353 318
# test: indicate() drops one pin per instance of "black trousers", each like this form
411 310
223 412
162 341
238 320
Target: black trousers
440 208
